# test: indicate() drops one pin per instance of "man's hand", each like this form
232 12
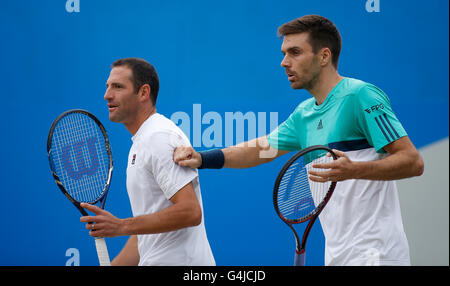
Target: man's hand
340 169
186 156
403 161
103 223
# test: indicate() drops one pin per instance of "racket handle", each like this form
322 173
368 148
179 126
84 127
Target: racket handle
299 258
102 251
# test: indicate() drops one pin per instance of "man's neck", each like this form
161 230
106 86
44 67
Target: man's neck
324 85
141 117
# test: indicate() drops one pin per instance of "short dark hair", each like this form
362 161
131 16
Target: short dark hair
322 33
143 73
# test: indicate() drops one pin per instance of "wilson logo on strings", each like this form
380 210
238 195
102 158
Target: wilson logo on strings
77 172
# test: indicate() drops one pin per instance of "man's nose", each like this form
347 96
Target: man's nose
284 62
107 95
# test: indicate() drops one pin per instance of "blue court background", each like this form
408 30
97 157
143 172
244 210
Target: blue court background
224 55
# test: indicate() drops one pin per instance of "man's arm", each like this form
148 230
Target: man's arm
129 255
244 155
403 161
184 212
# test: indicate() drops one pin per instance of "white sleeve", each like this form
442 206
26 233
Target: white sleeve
169 176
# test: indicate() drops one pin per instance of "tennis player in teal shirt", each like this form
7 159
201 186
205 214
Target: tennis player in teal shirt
362 220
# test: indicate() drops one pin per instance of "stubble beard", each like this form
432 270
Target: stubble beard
307 85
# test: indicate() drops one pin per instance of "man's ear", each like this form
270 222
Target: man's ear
144 92
325 56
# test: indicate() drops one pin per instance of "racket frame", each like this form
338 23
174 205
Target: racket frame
301 245
99 241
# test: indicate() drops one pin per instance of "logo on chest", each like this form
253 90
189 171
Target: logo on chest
133 160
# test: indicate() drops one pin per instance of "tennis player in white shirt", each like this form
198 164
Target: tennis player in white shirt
167 227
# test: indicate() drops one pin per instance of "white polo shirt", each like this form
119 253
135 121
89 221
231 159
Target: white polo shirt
152 179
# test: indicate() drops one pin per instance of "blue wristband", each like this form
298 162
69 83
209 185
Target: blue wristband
212 159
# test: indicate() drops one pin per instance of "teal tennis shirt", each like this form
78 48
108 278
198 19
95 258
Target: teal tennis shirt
362 222
355 115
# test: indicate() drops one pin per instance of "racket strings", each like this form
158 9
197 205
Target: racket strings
298 196
80 157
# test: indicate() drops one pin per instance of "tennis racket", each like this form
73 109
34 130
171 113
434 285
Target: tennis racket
297 199
81 163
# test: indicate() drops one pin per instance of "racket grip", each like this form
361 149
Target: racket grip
299 258
102 251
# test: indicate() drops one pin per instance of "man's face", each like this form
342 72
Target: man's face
301 64
120 94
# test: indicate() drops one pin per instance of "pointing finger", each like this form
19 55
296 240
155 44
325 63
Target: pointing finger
91 208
